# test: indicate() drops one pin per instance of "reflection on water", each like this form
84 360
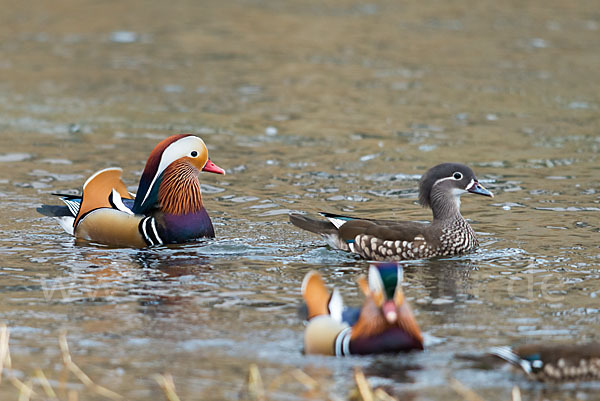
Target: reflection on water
310 106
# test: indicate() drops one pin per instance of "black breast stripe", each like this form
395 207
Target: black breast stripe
147 229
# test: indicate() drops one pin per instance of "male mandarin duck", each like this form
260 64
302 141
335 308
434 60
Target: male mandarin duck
384 324
556 362
167 208
449 233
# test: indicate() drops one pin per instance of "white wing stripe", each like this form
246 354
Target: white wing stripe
337 222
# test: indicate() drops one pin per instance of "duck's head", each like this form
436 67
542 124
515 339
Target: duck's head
186 152
384 286
441 186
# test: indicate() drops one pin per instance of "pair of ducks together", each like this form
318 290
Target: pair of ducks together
168 208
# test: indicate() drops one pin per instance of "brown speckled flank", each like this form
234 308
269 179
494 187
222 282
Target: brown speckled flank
457 237
584 369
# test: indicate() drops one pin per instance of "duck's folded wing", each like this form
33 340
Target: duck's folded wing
395 231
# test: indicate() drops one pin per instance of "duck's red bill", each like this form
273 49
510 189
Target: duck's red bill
211 167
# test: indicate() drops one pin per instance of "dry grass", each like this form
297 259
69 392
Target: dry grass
470 395
363 391
27 390
256 388
168 385
366 392
464 391
85 379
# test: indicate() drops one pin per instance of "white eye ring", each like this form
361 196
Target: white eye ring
194 153
457 176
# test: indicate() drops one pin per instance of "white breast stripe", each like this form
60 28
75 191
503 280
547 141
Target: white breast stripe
153 225
338 344
340 341
346 342
146 237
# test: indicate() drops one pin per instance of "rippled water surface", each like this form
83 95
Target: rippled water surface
336 106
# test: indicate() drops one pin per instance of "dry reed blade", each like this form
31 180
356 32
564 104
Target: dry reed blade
76 370
256 387
306 380
45 383
382 395
516 393
22 387
4 334
72 395
25 391
276 382
5 362
168 386
364 388
464 391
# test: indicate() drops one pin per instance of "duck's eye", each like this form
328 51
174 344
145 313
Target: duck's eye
194 153
457 176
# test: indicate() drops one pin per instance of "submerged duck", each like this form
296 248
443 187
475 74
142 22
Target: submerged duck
167 208
554 362
449 233
384 324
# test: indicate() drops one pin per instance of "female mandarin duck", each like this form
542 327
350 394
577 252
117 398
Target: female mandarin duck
167 208
385 323
554 362
448 234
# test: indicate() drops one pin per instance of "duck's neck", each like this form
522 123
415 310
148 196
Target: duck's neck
179 191
445 206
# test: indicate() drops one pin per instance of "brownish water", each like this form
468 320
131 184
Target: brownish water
309 106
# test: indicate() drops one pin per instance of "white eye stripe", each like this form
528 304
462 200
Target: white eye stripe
451 178
442 180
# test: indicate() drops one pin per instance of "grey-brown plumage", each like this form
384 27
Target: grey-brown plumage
449 233
554 362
